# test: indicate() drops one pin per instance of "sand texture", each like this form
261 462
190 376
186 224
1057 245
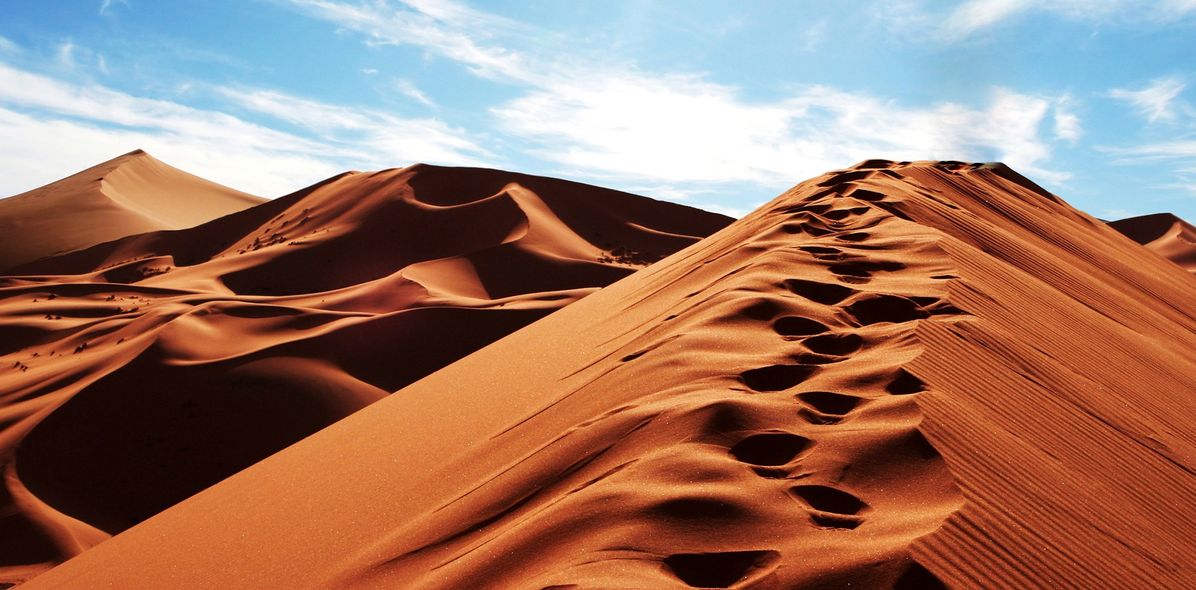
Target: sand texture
138 372
1165 234
131 194
900 375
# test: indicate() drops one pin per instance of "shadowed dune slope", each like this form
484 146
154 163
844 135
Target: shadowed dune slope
901 375
140 371
131 194
1167 235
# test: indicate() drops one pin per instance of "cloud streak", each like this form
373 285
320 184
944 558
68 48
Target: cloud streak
1156 101
618 123
62 122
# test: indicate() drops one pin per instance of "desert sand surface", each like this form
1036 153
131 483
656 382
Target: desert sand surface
140 371
900 375
131 194
1169 236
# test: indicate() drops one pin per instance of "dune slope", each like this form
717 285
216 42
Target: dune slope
901 375
1169 236
130 194
140 371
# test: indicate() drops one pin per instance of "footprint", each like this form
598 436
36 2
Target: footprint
936 306
834 344
865 267
878 308
719 570
874 164
813 358
828 499
832 508
776 377
817 419
847 177
829 402
820 250
770 449
867 195
917 577
824 293
841 214
762 310
858 236
798 326
905 383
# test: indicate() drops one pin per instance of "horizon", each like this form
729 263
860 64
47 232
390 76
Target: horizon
713 106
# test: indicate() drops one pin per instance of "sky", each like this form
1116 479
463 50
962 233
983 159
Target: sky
719 105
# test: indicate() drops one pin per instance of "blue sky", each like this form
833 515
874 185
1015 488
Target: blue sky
721 105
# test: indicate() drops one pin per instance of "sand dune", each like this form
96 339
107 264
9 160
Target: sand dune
139 371
901 375
131 194
1169 236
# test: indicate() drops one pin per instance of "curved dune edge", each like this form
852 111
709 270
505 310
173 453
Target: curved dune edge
1167 235
901 375
139 371
130 194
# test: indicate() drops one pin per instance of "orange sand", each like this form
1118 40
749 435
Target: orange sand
893 376
138 372
1169 236
128 195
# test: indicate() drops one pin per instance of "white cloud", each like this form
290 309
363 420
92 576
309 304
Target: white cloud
376 138
106 4
1067 123
66 55
1155 102
444 27
369 71
65 126
972 17
408 89
689 130
7 46
615 122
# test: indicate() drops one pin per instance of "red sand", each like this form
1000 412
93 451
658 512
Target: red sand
894 376
140 371
1167 235
131 194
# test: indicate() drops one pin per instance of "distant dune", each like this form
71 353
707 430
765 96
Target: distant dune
131 194
900 375
1169 236
140 371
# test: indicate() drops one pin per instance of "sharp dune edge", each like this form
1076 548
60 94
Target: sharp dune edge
131 194
901 375
140 371
1167 235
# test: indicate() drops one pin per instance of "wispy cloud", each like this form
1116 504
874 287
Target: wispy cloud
410 90
8 46
1156 101
1067 123
972 17
372 137
60 122
66 54
443 27
107 4
688 130
617 122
